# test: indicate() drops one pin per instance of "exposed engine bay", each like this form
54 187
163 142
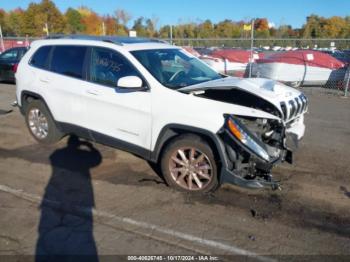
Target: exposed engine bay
255 160
240 97
254 144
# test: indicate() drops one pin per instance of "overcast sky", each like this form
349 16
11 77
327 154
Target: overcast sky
278 12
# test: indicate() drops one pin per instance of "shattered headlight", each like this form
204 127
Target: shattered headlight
240 132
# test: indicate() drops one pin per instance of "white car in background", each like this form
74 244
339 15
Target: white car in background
159 102
301 68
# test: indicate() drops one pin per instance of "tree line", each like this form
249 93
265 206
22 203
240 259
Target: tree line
83 20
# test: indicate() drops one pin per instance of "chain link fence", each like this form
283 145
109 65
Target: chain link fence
270 43
296 62
308 70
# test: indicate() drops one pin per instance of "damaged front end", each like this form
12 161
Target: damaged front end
253 146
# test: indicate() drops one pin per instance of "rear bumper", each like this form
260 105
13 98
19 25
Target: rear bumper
7 76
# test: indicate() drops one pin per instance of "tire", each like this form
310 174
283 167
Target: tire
41 124
198 175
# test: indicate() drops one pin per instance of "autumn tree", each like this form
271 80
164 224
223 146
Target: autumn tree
335 27
15 22
227 29
33 20
4 25
261 26
91 20
206 29
110 25
53 16
37 15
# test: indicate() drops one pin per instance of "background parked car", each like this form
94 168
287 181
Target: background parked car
301 67
340 55
230 61
9 61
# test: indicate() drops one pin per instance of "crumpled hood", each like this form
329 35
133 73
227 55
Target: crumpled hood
270 90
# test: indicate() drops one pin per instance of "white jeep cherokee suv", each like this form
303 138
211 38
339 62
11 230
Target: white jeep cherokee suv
161 103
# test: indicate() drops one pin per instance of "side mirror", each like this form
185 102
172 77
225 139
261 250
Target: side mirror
130 82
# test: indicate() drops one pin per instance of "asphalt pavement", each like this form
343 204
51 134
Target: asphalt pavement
94 200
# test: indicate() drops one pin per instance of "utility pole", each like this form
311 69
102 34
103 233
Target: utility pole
171 34
103 28
46 29
251 48
2 46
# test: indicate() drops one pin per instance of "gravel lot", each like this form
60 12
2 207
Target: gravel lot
47 192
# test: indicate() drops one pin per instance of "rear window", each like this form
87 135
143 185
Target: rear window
41 56
68 60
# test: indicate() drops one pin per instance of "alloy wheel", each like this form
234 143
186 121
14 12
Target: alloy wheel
190 168
38 123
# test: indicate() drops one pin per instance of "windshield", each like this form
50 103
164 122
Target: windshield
174 68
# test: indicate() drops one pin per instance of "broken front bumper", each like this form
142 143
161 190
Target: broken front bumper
231 176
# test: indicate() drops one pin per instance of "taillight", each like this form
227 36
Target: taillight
14 68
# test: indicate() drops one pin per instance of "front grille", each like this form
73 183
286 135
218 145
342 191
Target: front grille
294 107
299 105
284 110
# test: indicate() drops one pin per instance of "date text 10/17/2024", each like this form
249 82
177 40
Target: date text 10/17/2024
173 258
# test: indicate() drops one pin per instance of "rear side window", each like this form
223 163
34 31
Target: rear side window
68 60
41 57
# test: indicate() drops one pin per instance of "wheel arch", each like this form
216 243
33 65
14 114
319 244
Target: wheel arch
171 131
26 97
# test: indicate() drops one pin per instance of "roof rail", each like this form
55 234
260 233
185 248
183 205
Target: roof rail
118 40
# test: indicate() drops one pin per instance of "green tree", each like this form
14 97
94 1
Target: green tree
164 31
53 16
227 29
74 21
206 29
122 17
151 26
139 27
6 30
37 15
15 22
31 25
313 27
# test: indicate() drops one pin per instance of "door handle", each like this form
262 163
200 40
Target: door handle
93 92
44 80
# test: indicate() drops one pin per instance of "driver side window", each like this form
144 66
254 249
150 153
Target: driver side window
107 66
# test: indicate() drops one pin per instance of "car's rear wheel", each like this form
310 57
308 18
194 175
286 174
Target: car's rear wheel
188 164
40 123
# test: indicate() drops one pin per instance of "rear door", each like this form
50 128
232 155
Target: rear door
63 83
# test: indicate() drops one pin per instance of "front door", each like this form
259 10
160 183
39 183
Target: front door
113 113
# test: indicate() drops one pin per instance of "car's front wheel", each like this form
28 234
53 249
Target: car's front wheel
188 164
40 123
